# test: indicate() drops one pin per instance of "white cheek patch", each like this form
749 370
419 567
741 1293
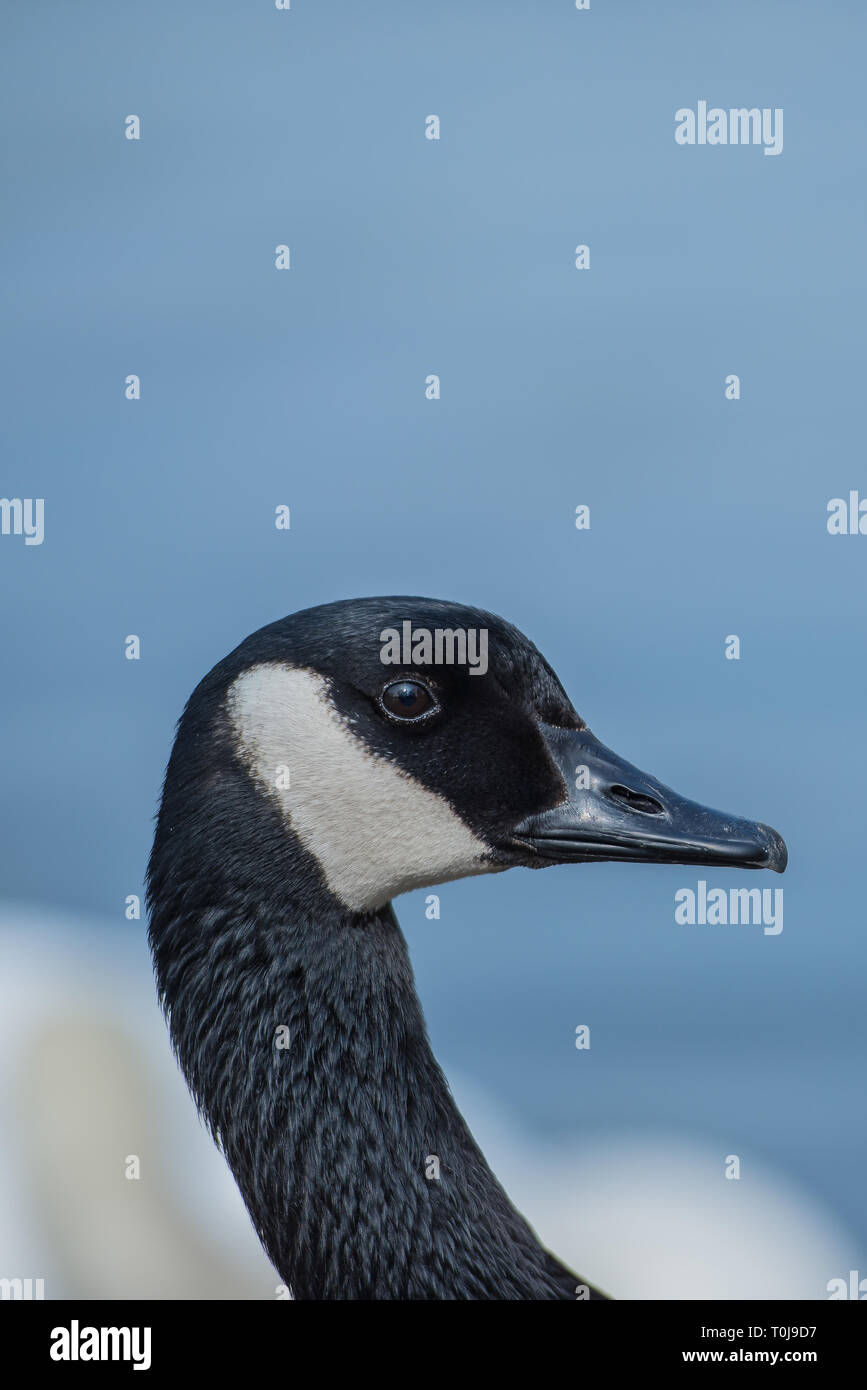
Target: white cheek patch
374 829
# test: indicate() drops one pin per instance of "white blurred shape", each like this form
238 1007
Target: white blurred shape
87 1077
655 1217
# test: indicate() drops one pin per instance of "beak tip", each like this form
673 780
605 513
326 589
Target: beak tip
777 853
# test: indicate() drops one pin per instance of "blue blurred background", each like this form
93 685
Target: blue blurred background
606 387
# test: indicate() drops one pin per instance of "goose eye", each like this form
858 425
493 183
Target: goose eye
407 699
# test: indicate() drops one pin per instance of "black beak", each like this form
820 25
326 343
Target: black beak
613 811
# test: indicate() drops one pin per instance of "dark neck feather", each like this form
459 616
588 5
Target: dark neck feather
329 1137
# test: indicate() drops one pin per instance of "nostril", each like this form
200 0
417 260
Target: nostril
636 801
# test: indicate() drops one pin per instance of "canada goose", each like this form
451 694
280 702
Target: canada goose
320 769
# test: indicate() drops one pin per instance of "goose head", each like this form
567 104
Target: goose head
334 760
390 769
